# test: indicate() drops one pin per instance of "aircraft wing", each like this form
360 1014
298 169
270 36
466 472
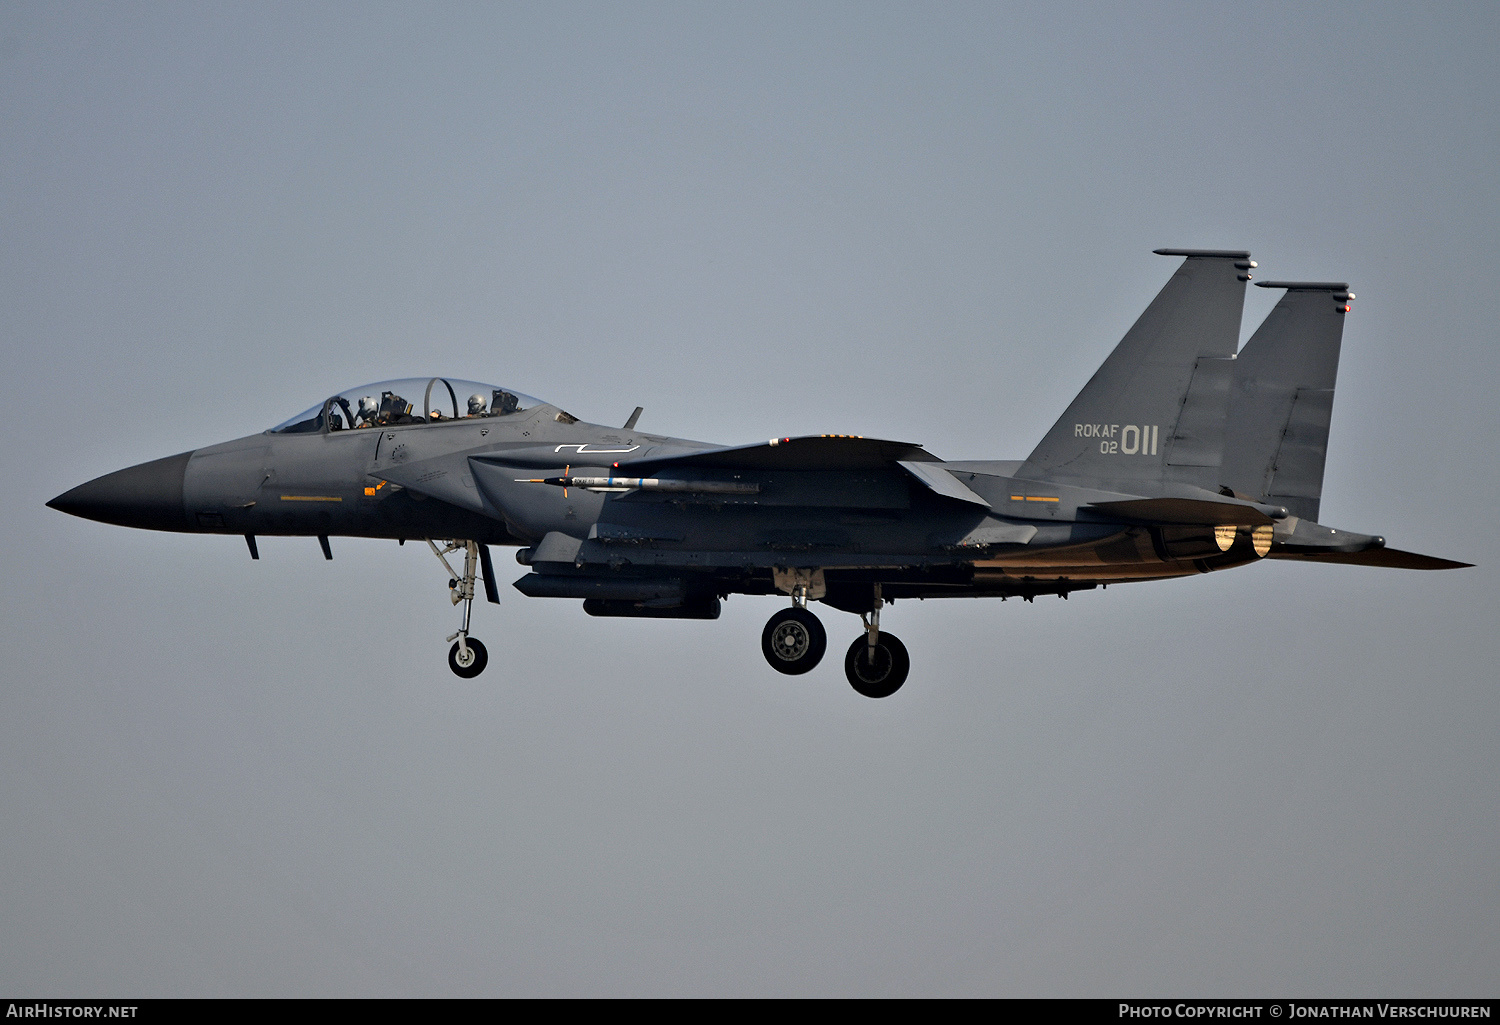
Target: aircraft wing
816 471
820 452
810 452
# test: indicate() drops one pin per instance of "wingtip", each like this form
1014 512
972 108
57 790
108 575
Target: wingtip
1222 254
1306 286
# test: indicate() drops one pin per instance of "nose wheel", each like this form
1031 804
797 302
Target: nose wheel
793 641
467 658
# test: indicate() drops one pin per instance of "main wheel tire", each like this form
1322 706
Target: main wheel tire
793 641
882 676
478 659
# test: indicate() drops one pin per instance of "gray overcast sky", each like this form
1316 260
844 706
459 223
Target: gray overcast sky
924 222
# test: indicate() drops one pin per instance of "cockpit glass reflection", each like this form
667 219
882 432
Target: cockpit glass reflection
407 402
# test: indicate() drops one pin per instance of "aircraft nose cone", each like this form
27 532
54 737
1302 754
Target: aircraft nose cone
147 496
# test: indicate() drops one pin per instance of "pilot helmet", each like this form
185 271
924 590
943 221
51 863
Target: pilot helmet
369 406
476 404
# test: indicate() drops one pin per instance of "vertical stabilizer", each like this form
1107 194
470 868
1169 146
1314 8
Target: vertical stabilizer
1281 401
1155 410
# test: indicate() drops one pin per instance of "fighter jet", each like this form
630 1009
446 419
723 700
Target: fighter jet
1180 456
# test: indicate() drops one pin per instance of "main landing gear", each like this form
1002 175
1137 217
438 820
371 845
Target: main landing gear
877 663
794 642
468 657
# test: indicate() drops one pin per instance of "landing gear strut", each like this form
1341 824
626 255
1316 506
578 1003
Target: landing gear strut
877 663
468 657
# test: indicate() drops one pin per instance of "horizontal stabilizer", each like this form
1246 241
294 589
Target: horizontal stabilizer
1390 558
1186 511
812 452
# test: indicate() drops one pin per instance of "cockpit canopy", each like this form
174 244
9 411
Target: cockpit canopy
412 400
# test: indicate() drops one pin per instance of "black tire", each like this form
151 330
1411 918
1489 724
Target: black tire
886 674
793 641
480 655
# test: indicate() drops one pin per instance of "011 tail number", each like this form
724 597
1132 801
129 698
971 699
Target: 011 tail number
1127 440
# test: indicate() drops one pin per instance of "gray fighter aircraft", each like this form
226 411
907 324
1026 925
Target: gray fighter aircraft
1179 457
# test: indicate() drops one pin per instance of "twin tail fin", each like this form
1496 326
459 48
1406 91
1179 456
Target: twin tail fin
1276 437
1154 412
1175 404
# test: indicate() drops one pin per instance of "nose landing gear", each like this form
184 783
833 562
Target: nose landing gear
468 657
